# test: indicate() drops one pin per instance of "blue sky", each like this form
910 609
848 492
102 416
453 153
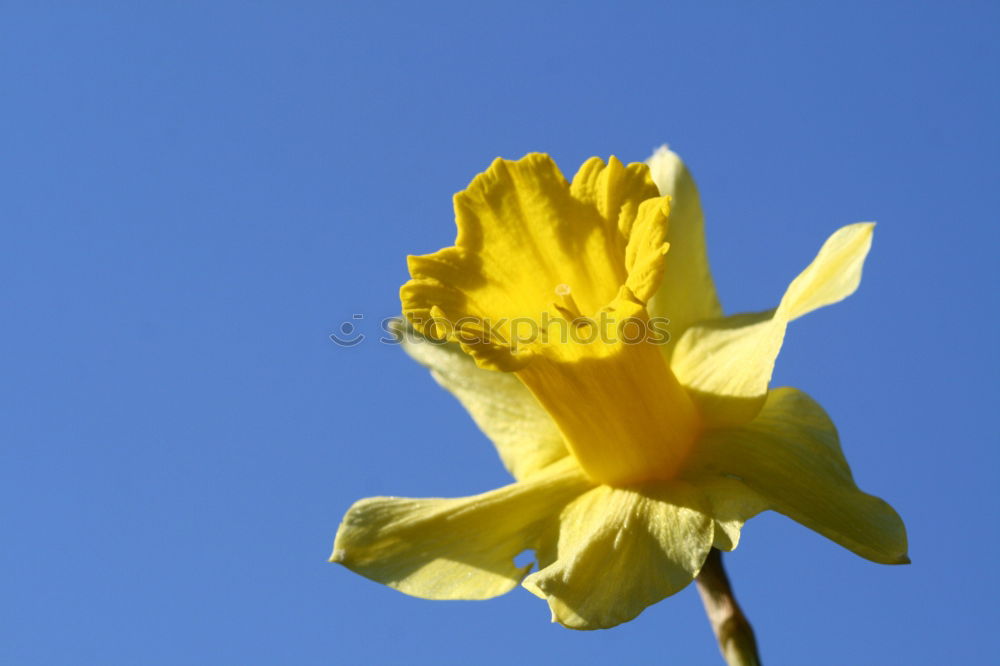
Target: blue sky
195 195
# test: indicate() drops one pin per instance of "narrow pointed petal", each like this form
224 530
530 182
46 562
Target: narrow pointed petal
524 434
687 293
727 363
621 550
790 456
460 548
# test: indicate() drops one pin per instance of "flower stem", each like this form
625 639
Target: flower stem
731 627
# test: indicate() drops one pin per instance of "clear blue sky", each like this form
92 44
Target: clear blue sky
193 196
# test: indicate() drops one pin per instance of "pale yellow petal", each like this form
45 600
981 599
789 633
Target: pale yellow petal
524 434
687 292
460 548
790 456
621 550
732 504
727 363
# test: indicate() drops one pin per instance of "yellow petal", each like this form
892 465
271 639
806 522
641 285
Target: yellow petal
521 233
727 363
460 548
621 550
614 189
687 292
790 456
732 504
623 415
524 434
526 237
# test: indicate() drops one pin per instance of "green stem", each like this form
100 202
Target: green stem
731 627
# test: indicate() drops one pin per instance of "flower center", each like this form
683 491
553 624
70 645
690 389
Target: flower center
549 280
624 416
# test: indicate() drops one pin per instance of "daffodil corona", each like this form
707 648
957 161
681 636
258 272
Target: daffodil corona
633 454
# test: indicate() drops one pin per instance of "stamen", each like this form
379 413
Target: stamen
565 304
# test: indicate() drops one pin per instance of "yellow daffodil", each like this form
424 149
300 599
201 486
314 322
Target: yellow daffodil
633 456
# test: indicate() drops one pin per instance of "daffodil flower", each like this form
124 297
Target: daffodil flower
631 459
